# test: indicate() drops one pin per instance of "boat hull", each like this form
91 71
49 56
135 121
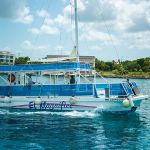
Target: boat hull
66 103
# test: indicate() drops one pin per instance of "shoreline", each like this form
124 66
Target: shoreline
127 76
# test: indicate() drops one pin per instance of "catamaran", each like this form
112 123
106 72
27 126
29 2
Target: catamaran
75 93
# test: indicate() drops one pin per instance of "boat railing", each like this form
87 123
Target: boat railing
127 88
98 74
111 90
5 81
47 90
136 90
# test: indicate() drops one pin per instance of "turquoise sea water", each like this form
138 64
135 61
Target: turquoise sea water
77 130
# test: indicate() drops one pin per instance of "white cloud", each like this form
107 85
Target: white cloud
59 47
138 40
96 49
132 16
64 22
48 27
91 34
15 10
42 13
5 49
125 15
29 46
116 22
25 16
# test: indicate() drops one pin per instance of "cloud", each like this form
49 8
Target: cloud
29 46
133 16
96 11
89 11
59 47
49 25
42 13
25 16
128 16
15 10
5 49
138 40
91 34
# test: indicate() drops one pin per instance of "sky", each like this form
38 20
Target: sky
108 29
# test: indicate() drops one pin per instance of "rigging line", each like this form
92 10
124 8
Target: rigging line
48 6
59 49
86 44
29 35
60 38
85 41
71 5
107 28
113 44
60 43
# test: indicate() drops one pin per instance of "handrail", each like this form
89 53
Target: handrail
123 85
86 79
4 80
102 77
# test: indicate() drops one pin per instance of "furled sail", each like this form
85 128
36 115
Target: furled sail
73 53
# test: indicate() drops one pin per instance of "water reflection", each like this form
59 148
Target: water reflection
122 132
44 130
30 130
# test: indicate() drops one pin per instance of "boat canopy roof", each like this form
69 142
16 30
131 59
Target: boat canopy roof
63 66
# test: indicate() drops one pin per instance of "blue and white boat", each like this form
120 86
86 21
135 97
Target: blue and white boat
19 92
80 94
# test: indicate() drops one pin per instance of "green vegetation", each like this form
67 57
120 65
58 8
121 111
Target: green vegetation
22 60
139 68
1 63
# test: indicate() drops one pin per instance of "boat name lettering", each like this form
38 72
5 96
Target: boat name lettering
51 106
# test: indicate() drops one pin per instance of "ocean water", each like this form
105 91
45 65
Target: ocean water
21 130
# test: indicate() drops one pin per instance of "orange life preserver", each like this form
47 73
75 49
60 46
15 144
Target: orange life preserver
11 78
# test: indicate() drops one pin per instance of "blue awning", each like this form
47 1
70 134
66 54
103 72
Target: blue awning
45 67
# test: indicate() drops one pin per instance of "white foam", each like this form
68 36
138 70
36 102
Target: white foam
68 114
79 114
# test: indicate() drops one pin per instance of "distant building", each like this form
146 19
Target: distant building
68 58
83 59
7 58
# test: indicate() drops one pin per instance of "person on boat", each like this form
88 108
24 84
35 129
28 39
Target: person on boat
131 86
12 78
72 85
30 82
72 80
129 82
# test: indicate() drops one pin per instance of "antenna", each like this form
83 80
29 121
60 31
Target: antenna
76 30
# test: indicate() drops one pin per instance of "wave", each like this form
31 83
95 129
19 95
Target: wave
66 114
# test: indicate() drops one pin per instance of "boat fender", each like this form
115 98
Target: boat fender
37 101
72 100
11 78
126 103
131 101
7 100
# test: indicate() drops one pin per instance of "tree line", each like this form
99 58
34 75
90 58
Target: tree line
19 60
139 65
119 67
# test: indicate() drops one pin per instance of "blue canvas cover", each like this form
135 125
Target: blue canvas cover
45 67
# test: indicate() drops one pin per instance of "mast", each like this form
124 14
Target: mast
76 30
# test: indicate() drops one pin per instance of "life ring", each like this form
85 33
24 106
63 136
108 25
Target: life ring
11 78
